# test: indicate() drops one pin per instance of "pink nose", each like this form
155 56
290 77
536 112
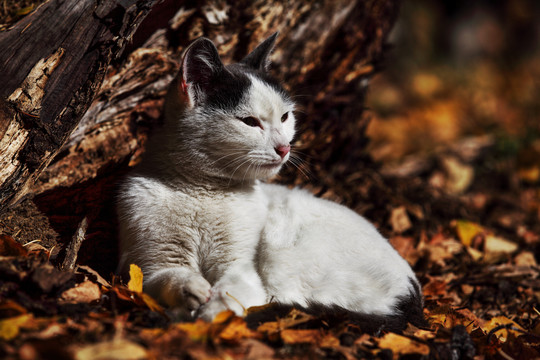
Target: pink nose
283 150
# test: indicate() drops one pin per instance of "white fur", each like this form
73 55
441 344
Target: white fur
209 236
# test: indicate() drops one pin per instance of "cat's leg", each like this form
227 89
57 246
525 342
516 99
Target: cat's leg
179 287
239 288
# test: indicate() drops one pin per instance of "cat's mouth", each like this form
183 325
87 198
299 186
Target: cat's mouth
272 166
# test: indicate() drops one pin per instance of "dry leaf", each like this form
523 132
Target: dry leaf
135 278
9 328
197 331
495 244
448 318
467 231
293 318
459 175
9 247
402 345
405 247
237 329
118 350
293 336
151 303
85 292
525 258
400 220
98 278
502 334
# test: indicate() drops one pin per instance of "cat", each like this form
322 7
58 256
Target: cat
210 234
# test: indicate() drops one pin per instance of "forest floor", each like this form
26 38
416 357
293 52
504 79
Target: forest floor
456 190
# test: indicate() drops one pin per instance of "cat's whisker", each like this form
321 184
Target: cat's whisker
236 169
225 156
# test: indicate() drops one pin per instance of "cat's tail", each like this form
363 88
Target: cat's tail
409 309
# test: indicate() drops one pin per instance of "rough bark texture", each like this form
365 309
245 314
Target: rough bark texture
326 53
51 65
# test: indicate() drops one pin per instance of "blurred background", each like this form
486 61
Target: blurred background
465 74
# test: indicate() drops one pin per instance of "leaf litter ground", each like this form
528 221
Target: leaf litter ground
480 282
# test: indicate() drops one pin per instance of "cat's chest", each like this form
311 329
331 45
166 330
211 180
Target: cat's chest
229 225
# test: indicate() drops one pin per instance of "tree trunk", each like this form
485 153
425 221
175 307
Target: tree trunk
326 54
327 51
51 65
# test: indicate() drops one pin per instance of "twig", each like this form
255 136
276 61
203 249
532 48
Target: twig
73 248
238 301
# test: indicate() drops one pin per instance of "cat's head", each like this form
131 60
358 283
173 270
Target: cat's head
240 121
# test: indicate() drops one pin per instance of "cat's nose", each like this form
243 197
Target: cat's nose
283 150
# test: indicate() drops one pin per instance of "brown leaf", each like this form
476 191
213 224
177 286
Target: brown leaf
118 349
47 277
9 247
405 247
85 292
400 220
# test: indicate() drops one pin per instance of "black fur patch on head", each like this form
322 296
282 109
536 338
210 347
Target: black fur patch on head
227 89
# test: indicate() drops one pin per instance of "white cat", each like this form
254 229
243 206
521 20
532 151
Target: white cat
210 236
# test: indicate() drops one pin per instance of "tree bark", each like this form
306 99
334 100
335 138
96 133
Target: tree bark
326 53
51 65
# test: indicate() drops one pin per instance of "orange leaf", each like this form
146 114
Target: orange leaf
402 345
237 329
290 336
503 333
151 303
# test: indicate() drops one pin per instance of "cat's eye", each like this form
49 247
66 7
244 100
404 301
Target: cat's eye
251 121
285 117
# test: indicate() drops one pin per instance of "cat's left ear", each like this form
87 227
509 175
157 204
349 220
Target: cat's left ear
201 65
259 59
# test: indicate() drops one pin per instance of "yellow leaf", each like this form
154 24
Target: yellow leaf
502 333
9 328
467 230
402 345
135 278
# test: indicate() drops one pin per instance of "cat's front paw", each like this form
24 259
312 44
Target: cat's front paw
196 292
219 301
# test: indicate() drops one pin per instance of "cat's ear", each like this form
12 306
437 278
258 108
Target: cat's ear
200 65
259 59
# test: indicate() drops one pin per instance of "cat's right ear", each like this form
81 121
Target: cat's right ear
200 65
